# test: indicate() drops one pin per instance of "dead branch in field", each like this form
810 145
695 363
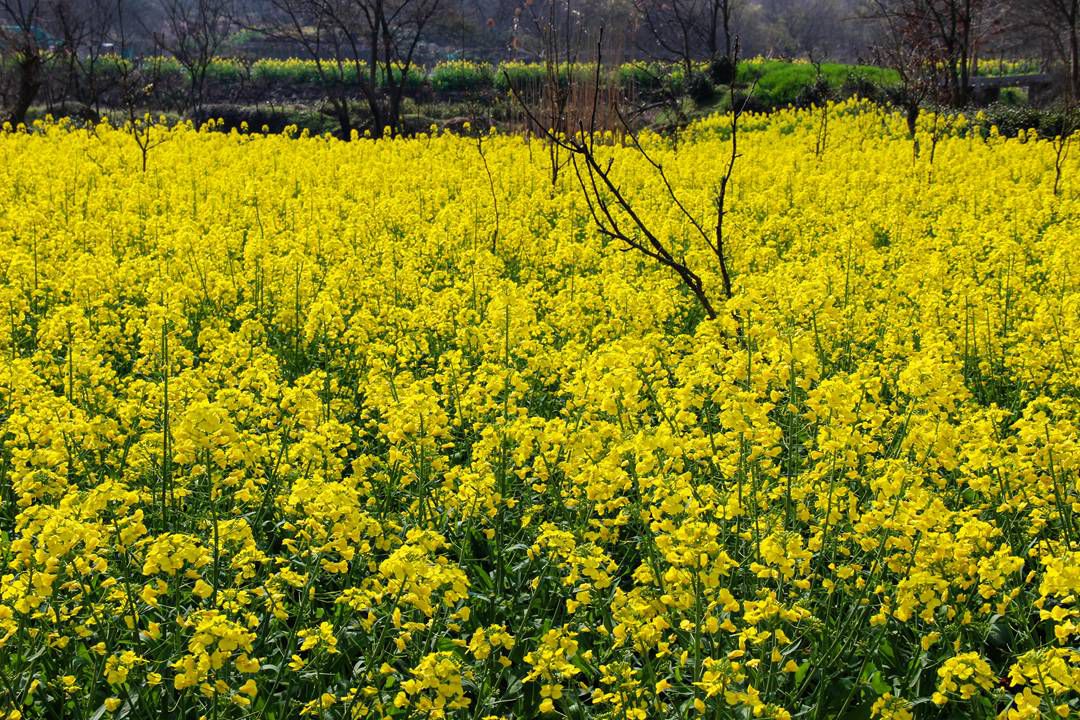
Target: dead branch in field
614 215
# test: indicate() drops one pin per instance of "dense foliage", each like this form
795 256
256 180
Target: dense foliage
301 427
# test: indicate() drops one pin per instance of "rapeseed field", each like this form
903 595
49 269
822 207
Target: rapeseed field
295 427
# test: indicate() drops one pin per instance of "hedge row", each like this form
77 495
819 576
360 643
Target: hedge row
777 82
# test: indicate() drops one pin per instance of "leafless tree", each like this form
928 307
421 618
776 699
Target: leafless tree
24 41
561 35
911 53
85 28
698 36
369 45
939 39
194 33
136 84
1059 20
307 23
556 32
689 31
1062 143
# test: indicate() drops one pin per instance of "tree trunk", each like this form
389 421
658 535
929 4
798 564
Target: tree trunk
954 82
29 85
394 114
1074 61
341 110
965 81
378 119
714 28
727 31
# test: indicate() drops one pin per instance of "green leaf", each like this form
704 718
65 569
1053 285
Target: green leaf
878 683
800 672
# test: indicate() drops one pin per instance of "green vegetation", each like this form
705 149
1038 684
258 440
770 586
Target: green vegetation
462 76
779 82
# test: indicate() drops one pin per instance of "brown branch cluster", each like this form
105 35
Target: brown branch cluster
613 213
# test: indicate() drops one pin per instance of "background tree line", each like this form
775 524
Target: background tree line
54 52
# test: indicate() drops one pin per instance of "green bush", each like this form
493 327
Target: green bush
462 76
520 76
781 83
722 70
700 88
641 75
414 79
279 72
306 72
225 70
